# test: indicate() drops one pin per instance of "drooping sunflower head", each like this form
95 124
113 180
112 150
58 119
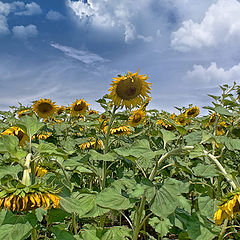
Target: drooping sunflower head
137 117
181 119
44 108
119 131
192 112
129 90
92 145
228 209
165 125
60 110
79 107
25 112
92 112
18 132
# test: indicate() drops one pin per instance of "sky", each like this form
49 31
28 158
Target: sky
71 49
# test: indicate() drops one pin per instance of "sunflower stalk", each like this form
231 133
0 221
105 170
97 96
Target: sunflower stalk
221 168
26 180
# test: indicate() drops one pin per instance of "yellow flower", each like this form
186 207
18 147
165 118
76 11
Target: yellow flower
91 144
173 116
120 131
40 171
136 118
129 90
181 120
25 112
44 108
192 112
165 125
92 112
18 132
60 110
212 119
30 201
79 107
228 210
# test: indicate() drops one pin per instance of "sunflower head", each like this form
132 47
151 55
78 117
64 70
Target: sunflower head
118 131
181 120
136 118
60 110
192 112
25 112
129 90
165 125
92 112
44 108
95 144
79 107
18 132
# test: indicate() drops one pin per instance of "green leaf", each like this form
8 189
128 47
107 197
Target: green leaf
207 206
193 138
231 144
110 156
222 111
10 170
50 149
206 171
118 232
111 199
160 226
9 144
30 125
167 136
57 215
61 234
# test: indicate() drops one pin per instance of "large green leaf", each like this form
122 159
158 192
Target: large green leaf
61 234
207 206
94 155
206 171
10 170
160 226
110 198
49 149
167 136
30 125
223 111
118 232
9 144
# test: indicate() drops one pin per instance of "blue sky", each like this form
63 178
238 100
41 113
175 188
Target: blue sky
65 49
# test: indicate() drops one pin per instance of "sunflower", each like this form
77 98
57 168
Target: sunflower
40 171
129 90
42 136
228 209
192 112
91 144
136 118
120 131
25 112
60 110
29 201
181 120
212 119
79 107
92 112
18 132
165 125
44 108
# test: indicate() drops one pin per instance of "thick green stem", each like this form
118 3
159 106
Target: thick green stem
138 225
221 168
26 176
74 224
166 155
224 227
34 235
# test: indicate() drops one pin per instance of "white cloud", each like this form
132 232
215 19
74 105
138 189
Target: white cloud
80 55
54 16
213 75
3 25
29 9
25 32
111 14
220 25
4 8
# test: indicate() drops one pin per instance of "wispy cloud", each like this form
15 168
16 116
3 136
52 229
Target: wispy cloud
80 55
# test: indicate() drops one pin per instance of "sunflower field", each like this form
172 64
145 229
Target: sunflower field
126 172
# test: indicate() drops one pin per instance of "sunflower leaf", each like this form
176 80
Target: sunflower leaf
30 125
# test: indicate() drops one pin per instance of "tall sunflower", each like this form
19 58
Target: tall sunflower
136 118
79 107
44 108
92 144
119 131
165 125
181 120
129 90
192 112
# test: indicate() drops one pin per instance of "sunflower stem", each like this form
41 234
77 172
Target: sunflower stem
34 234
74 223
224 227
26 176
221 168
